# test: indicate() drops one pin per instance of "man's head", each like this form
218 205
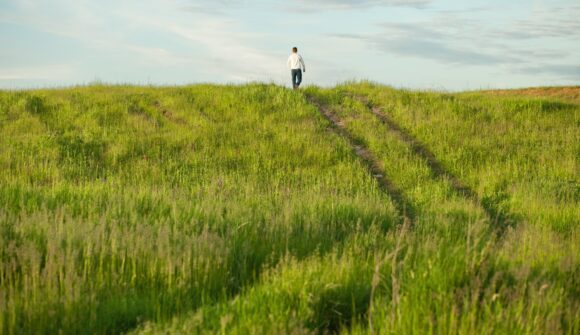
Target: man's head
295 50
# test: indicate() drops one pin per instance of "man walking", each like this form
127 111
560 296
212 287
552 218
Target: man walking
296 65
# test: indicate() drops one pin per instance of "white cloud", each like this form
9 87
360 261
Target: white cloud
54 72
231 51
215 40
157 56
539 43
216 44
220 45
320 5
89 24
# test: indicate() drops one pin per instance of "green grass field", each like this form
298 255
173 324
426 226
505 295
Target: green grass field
244 210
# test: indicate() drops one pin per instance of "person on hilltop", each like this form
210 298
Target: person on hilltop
296 65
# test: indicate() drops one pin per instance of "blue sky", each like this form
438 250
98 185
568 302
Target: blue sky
426 44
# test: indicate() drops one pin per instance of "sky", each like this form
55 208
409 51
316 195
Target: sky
423 44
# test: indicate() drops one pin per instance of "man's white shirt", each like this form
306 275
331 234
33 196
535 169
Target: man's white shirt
295 62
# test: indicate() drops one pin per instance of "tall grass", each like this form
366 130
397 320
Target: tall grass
126 204
234 209
525 281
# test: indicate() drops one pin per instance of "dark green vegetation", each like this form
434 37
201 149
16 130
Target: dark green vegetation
242 209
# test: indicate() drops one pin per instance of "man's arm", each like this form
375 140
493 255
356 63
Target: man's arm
302 63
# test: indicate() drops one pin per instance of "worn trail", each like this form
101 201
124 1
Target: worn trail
494 214
404 206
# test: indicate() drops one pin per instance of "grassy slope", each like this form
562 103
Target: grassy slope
127 204
518 154
516 151
233 209
565 93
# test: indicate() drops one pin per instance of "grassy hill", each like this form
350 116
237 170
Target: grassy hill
568 94
257 209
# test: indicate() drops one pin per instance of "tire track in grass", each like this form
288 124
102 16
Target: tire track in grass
403 205
500 218
321 313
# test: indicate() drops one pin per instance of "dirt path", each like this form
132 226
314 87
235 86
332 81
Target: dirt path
373 165
494 214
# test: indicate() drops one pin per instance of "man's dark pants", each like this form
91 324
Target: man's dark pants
296 77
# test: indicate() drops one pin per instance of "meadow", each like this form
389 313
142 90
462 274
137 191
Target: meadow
255 209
